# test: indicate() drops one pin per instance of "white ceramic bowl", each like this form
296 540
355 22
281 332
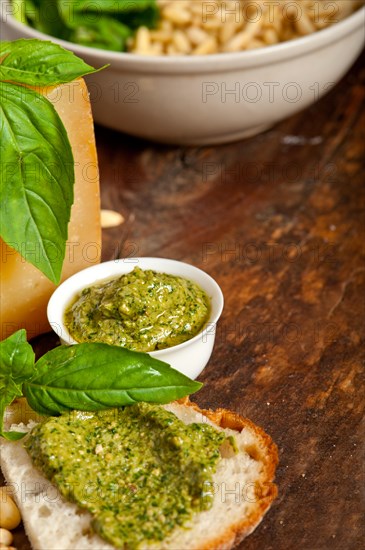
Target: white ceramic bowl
191 356
215 98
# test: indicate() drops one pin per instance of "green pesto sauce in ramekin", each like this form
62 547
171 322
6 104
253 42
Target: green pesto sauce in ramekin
142 311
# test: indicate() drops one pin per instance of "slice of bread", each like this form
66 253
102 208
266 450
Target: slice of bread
243 491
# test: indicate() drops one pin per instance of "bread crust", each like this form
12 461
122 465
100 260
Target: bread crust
266 489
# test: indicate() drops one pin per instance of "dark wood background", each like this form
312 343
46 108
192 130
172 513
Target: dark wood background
278 221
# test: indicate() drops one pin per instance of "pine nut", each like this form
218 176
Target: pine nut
209 46
181 42
304 25
110 218
9 513
176 15
270 37
143 40
196 35
6 538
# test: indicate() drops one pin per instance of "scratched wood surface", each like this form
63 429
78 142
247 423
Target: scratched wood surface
278 221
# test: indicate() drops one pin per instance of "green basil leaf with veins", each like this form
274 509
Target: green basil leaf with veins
36 178
40 63
95 376
16 366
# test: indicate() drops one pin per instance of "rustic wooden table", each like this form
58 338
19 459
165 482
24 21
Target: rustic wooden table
278 221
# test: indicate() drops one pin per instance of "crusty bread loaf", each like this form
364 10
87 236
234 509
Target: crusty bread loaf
243 487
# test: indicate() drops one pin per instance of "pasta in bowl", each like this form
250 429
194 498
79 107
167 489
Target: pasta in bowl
201 98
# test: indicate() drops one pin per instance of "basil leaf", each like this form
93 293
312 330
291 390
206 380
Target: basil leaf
96 376
40 63
13 436
105 24
16 358
105 33
103 6
16 366
36 177
19 9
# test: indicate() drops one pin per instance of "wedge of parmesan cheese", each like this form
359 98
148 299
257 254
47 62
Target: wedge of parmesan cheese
24 290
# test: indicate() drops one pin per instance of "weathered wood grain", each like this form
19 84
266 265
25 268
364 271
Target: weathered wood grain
278 221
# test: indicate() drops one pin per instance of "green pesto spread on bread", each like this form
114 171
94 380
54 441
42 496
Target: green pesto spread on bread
140 471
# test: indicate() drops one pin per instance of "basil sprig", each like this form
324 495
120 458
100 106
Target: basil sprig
16 366
88 377
37 165
105 24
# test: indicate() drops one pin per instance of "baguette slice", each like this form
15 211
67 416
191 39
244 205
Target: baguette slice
243 489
